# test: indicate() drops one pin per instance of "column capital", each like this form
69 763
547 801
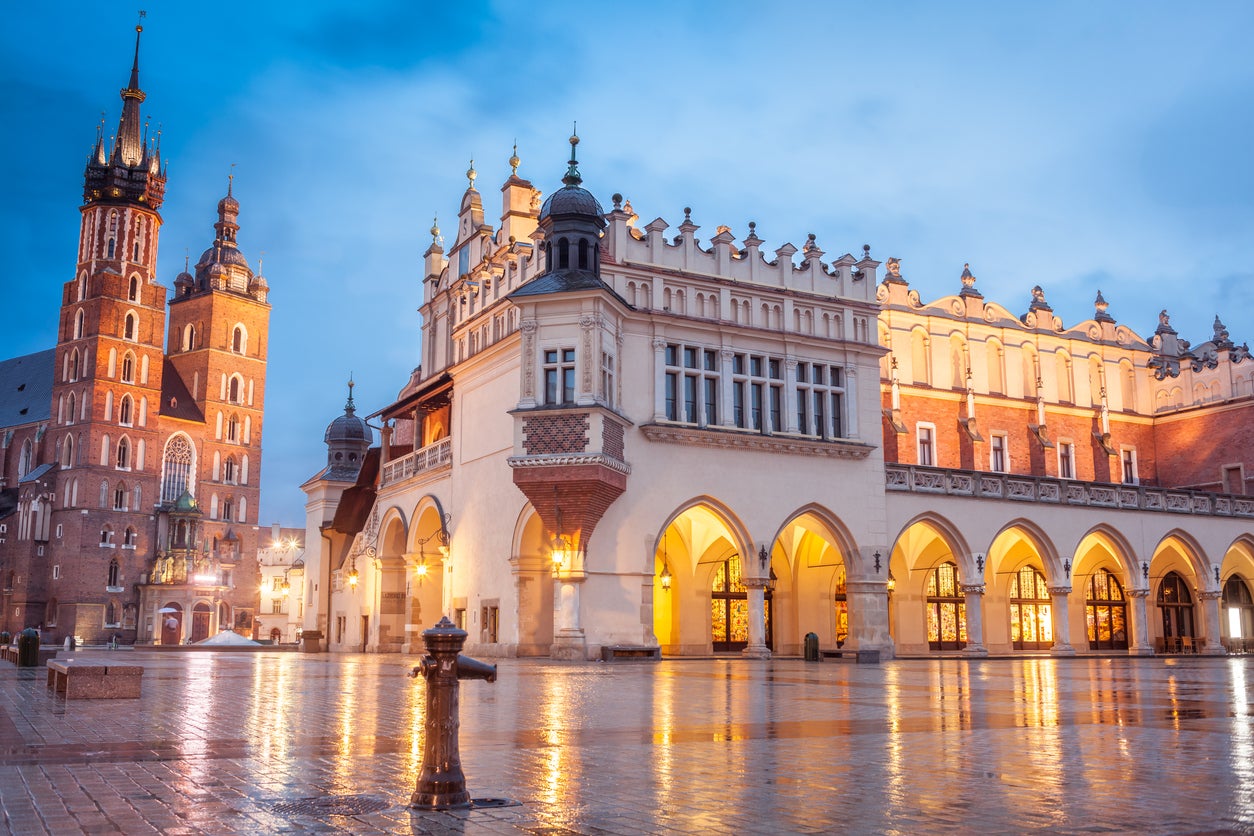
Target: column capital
1059 590
755 583
1210 594
972 588
1136 593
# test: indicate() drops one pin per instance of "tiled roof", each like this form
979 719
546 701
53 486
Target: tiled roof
176 400
26 388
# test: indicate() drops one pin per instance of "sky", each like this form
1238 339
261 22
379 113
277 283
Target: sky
1075 145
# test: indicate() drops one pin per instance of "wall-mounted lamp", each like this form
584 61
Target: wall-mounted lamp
892 582
665 577
352 578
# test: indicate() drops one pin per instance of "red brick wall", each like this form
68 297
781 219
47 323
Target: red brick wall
555 434
1195 445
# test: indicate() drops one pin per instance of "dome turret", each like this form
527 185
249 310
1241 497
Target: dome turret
347 438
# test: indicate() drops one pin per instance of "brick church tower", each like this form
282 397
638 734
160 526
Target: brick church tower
141 510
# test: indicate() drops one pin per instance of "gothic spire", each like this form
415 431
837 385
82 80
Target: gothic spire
129 147
573 177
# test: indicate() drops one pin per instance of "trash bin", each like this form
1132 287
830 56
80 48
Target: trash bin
28 648
812 647
6 638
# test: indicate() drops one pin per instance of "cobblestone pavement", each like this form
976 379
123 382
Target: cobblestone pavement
288 743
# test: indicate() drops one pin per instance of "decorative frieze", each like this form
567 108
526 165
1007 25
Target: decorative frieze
738 440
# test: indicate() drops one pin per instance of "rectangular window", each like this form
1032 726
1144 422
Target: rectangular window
692 385
750 388
1233 479
926 438
997 460
1066 460
56 571
276 605
1128 457
820 400
607 378
559 376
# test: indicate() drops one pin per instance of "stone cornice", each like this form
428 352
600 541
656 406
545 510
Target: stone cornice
733 440
568 459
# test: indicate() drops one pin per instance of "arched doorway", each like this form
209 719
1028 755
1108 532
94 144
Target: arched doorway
201 613
1031 621
946 609
1106 612
729 608
1238 607
171 623
276 635
1176 605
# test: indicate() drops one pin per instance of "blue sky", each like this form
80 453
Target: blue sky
1073 145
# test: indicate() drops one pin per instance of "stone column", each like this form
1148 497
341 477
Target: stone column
727 403
790 395
868 618
974 593
1062 626
1140 644
659 379
757 648
568 636
1210 615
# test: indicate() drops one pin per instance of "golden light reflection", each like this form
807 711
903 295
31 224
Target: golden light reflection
1242 734
895 767
561 770
414 717
275 717
345 725
663 737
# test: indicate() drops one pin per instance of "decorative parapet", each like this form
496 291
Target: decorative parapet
742 440
980 485
433 457
568 460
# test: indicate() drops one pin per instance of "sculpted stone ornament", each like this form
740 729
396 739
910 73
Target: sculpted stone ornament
893 268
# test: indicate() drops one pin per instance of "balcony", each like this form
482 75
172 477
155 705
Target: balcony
433 457
1016 488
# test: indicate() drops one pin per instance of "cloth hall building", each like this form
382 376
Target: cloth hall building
621 434
130 453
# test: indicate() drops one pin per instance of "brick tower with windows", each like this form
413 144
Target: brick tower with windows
138 496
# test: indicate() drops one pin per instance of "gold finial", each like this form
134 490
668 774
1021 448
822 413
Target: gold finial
435 228
471 174
514 161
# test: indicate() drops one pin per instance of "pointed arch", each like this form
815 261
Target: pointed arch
1117 545
1040 541
830 527
78 324
743 541
128 367
1189 550
947 532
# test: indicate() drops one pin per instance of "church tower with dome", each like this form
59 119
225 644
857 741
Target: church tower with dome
134 502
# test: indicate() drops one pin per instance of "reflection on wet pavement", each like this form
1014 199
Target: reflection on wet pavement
280 742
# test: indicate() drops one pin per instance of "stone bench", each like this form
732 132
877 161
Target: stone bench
619 652
9 654
79 679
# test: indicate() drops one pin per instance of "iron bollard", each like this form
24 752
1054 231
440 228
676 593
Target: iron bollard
441 782
28 648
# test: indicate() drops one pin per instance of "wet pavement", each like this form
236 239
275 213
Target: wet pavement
289 743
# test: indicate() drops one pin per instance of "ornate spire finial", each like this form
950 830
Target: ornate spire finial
230 180
471 174
514 161
435 229
573 178
349 406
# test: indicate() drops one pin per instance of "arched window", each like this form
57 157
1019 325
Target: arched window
114 571
74 364
128 539
1127 375
946 609
124 453
129 330
189 337
67 452
124 411
239 340
228 509
113 245
82 287
563 253
133 295
71 413
1176 605
958 362
233 390
1106 613
27 459
106 535
119 497
583 254
1238 615
176 468
78 324
1031 624
229 471
232 428
128 368
1097 380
